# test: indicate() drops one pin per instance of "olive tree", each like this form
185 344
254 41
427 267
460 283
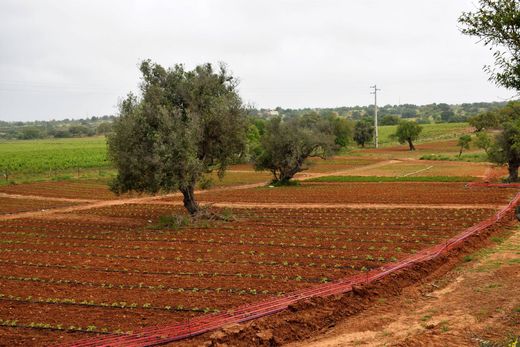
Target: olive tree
497 24
484 141
464 143
506 148
407 132
486 120
363 132
286 144
182 125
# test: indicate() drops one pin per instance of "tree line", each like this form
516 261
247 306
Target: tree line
66 128
391 114
387 115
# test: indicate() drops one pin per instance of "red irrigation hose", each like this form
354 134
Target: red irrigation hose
154 336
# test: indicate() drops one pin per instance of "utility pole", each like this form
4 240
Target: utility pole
376 140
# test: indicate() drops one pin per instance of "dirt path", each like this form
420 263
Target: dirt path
474 304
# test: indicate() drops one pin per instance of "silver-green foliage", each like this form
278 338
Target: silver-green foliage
286 144
497 24
182 125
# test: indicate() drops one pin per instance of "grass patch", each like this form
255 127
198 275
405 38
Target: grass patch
490 266
444 326
426 318
498 240
392 179
468 258
171 222
475 158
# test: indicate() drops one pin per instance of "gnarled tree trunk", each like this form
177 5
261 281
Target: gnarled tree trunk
410 144
289 172
189 199
513 170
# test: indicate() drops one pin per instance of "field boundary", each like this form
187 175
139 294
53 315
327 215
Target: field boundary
153 336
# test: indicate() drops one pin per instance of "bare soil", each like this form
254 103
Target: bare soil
74 265
477 302
466 298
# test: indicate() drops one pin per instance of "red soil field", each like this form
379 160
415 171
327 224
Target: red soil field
84 189
10 205
63 279
113 269
365 192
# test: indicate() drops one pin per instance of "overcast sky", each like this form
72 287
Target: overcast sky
72 59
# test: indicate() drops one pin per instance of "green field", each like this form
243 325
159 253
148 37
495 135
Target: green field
430 132
28 160
51 156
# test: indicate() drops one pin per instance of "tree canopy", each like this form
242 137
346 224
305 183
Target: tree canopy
408 132
286 144
363 132
505 149
485 120
182 124
464 143
497 24
484 141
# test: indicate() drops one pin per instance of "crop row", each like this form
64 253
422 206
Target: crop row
14 323
167 273
268 240
258 230
141 285
121 305
202 269
179 259
311 259
210 251
309 217
271 243
251 229
329 233
415 215
393 192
